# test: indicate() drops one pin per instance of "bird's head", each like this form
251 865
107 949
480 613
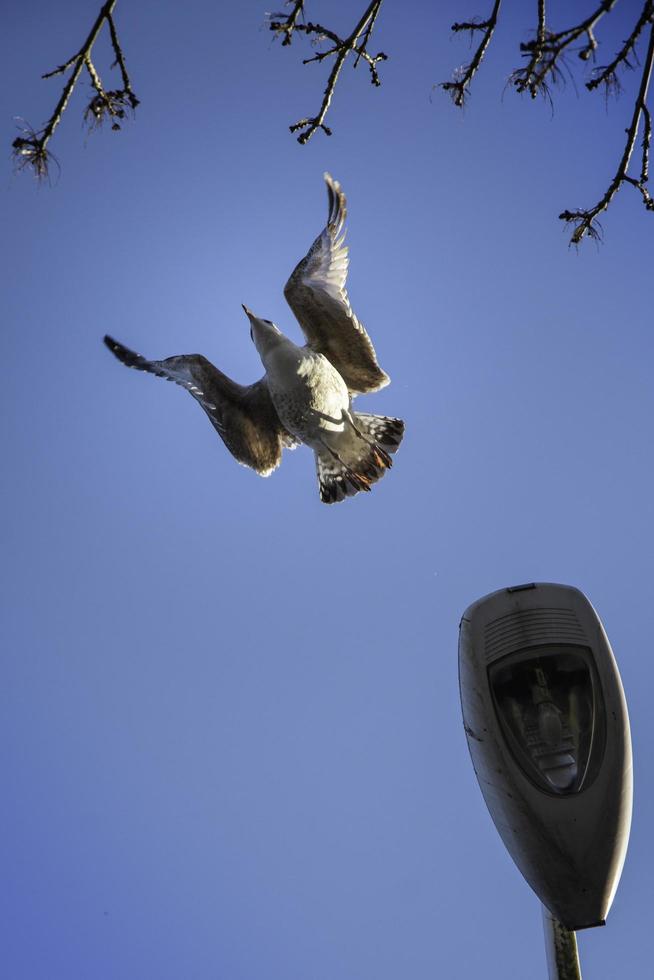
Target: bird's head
264 333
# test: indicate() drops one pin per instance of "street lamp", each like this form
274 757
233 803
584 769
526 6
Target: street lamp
547 727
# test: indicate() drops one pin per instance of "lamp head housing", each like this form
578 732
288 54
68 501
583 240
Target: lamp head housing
548 731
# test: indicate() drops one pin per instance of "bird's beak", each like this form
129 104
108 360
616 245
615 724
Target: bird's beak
251 317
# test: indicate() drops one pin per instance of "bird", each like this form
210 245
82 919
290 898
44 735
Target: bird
305 396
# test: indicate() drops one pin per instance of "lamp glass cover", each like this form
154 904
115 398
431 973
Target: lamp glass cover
551 712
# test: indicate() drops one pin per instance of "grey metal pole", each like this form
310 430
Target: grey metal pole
561 949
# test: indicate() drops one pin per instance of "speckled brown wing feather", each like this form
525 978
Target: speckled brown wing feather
243 416
316 293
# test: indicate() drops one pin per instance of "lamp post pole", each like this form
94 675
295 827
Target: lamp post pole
560 949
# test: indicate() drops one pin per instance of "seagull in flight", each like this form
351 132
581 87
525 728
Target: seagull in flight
305 395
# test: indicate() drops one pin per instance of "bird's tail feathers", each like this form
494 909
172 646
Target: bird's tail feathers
385 432
356 465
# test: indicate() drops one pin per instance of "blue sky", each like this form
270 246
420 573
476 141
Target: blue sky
231 733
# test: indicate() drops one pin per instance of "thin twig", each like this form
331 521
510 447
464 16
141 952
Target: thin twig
459 87
361 50
120 61
61 68
584 219
356 42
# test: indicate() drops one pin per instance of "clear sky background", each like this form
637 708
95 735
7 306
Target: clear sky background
231 737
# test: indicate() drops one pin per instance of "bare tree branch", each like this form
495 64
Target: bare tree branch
585 221
544 51
548 50
31 148
546 60
459 87
286 25
607 75
340 48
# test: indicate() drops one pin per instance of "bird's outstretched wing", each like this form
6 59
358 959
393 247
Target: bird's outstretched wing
316 294
243 416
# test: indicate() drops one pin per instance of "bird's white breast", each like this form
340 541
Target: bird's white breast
307 391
